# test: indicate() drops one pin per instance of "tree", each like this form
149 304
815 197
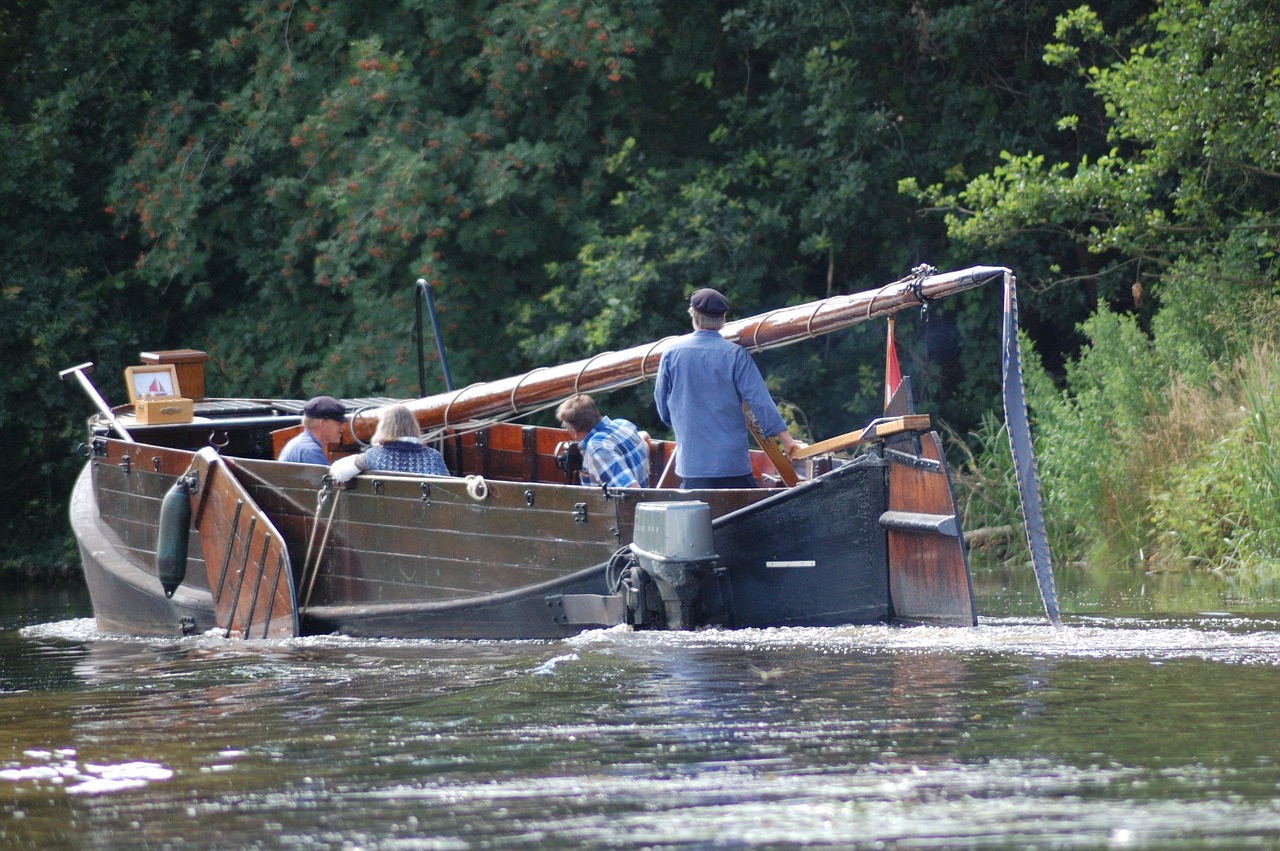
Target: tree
822 110
345 150
70 107
1189 163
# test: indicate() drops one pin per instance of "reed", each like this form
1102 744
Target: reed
1158 472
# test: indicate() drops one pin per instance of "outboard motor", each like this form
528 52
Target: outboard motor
673 547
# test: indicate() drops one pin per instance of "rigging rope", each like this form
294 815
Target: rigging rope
307 565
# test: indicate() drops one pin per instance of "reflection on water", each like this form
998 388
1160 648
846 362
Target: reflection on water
1010 732
1095 589
1134 730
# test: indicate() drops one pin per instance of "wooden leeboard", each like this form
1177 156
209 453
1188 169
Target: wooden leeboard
928 573
245 557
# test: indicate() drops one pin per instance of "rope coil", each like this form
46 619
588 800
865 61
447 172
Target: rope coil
755 332
808 323
477 488
644 360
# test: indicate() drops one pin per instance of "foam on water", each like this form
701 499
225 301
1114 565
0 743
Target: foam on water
1216 637
60 768
1212 636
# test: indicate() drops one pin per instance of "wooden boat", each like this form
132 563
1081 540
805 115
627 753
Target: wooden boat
190 526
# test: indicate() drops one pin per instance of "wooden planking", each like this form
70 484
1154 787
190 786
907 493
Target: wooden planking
502 451
382 546
129 495
389 545
393 545
928 573
246 559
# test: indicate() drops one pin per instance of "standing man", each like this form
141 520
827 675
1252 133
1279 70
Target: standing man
322 419
703 381
613 451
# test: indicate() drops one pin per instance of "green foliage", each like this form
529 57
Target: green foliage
69 110
1216 306
1138 465
340 155
986 482
821 110
1088 440
988 487
682 233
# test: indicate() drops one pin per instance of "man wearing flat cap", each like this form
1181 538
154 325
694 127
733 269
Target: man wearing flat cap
703 381
322 419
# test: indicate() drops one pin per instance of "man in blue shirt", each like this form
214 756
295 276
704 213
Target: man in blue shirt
322 419
703 381
613 451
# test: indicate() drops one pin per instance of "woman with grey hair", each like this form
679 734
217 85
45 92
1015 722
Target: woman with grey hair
396 448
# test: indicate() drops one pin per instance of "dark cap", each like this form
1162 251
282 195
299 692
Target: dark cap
325 408
710 302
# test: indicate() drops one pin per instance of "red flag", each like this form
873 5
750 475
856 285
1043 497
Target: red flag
892 375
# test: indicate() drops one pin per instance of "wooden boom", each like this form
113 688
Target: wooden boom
612 370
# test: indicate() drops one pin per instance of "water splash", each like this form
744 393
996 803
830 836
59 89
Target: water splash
60 768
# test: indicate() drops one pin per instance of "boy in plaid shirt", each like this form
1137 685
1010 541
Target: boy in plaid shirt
613 451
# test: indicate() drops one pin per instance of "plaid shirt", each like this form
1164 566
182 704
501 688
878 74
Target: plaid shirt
613 453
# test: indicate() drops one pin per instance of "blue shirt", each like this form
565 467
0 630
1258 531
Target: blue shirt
304 449
614 454
703 380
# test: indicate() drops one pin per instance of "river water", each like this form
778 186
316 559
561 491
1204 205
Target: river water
1149 722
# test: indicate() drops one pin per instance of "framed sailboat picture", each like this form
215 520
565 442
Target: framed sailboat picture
154 380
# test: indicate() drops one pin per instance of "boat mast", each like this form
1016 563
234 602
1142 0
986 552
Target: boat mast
613 370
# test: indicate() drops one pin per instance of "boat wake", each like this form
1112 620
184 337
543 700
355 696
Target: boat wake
1217 637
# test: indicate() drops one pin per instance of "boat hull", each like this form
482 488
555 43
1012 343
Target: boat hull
414 557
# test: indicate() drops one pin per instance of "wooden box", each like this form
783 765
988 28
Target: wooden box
189 364
156 395
154 410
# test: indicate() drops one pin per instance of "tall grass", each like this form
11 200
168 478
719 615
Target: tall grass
1221 508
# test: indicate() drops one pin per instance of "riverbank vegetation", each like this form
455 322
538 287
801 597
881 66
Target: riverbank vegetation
1156 446
266 181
